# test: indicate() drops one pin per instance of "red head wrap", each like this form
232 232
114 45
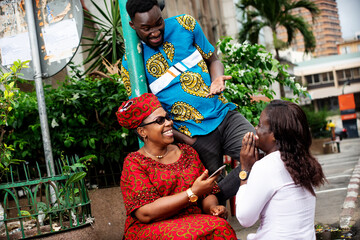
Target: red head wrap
131 113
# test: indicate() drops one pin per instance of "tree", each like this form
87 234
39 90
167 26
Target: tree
258 14
261 13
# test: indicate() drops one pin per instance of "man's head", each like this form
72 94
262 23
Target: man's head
147 21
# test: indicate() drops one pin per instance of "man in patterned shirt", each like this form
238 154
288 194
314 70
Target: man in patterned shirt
184 72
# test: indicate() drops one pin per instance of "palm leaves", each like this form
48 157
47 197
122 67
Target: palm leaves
108 42
276 13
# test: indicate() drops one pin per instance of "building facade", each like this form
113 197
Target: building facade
350 46
327 78
326 29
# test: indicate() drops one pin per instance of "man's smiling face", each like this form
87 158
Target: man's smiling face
149 27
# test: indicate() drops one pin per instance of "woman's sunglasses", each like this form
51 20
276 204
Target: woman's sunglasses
159 120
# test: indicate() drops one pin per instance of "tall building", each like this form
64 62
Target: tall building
326 29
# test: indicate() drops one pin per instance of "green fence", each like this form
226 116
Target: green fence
37 205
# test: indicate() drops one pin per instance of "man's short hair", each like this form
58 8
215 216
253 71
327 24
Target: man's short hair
134 6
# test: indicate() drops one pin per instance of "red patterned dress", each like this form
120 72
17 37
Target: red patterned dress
144 180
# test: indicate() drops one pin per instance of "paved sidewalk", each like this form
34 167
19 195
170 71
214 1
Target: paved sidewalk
349 207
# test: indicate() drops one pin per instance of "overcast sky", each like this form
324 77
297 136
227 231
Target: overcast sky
349 14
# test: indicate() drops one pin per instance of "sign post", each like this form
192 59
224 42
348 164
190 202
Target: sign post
49 39
39 89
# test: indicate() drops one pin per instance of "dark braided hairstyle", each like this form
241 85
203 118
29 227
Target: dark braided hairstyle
134 6
289 124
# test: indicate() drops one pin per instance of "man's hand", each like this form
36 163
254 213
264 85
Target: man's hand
218 85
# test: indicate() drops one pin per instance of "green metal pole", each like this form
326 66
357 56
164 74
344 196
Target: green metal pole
134 56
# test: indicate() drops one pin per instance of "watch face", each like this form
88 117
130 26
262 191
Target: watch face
193 198
243 175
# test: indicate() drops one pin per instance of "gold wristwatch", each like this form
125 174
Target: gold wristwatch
191 195
243 175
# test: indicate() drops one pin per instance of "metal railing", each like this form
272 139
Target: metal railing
36 206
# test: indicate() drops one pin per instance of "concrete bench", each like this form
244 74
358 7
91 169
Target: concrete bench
331 147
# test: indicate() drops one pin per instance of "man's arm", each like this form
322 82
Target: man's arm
216 69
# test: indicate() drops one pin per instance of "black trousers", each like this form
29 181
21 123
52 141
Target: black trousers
226 139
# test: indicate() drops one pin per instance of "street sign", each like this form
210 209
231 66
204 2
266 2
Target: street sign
59 25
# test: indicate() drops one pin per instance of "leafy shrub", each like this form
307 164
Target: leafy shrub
9 95
317 122
82 121
253 71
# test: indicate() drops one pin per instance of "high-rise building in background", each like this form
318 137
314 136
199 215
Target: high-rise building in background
326 29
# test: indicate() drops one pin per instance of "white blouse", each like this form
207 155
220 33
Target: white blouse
286 210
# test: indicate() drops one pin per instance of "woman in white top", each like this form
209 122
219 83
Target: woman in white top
278 189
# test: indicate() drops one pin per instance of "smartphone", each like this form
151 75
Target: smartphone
218 170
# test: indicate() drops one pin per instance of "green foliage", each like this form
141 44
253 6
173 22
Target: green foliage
317 122
82 121
9 96
253 71
78 169
108 42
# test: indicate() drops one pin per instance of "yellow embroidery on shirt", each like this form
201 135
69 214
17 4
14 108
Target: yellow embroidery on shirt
157 65
183 112
184 130
203 66
169 50
203 54
187 21
222 98
194 84
126 80
125 57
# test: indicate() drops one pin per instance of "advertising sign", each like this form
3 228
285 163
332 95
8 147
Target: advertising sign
348 115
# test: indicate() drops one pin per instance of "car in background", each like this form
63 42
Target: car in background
341 133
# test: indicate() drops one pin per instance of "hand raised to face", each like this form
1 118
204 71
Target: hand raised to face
249 153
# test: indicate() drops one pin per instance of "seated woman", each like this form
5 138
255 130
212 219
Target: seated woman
166 189
280 187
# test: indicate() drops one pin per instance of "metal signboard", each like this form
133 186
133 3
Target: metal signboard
59 25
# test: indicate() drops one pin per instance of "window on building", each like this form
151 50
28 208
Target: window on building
340 75
316 78
309 79
321 78
356 72
343 50
324 77
348 73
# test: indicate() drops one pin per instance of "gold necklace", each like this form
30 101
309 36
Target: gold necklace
159 156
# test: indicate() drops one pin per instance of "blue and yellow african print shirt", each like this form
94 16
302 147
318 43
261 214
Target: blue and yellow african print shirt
178 75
